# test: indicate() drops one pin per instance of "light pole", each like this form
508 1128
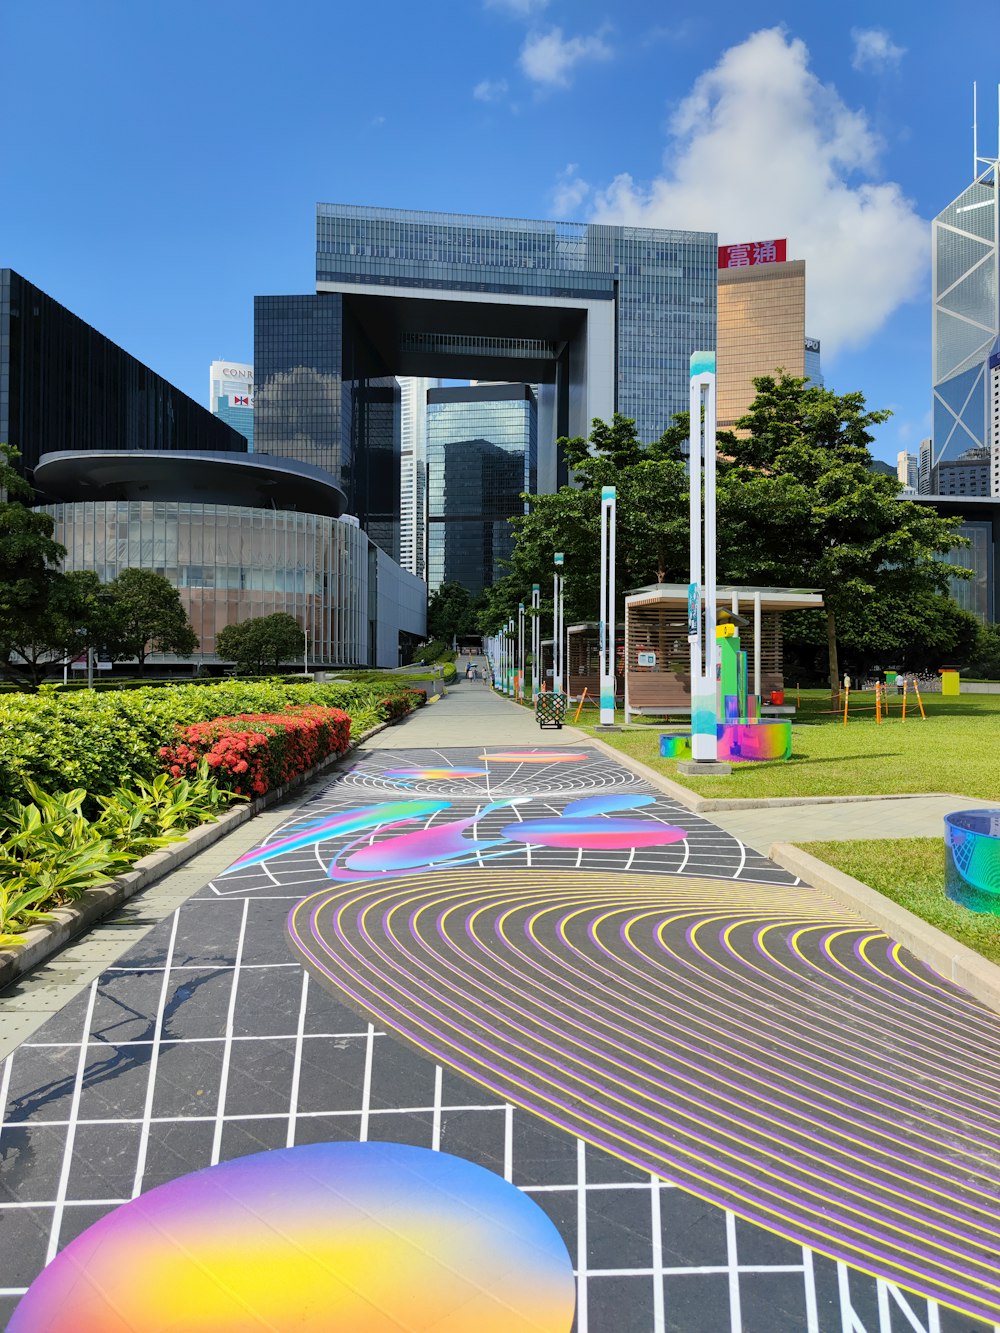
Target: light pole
520 650
536 640
701 619
607 613
557 624
510 658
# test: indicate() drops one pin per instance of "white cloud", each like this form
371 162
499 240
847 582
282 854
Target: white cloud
874 49
569 192
761 149
549 58
489 90
520 8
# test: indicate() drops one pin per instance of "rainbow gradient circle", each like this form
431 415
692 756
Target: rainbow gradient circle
429 774
352 1237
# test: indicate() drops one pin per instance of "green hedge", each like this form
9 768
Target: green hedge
99 741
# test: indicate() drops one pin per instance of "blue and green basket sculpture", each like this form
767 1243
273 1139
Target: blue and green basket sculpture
972 859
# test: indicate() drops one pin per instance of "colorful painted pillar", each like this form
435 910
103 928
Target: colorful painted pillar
607 615
702 611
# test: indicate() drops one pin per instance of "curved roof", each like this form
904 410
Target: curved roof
258 481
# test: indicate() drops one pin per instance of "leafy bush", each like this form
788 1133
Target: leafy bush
254 752
449 672
103 741
51 853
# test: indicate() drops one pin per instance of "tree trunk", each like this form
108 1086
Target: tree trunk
831 643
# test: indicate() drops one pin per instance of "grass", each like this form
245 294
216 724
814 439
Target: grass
910 871
954 750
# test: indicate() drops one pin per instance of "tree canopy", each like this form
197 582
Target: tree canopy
798 506
452 610
146 616
28 553
262 643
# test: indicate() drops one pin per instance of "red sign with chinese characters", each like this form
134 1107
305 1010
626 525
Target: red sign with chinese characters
753 252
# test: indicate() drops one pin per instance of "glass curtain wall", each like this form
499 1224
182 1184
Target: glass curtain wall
231 563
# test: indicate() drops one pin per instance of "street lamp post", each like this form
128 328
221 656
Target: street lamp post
607 613
510 658
520 650
536 640
557 624
702 611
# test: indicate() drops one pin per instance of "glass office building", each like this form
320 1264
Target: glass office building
966 320
657 285
321 400
481 456
64 386
231 396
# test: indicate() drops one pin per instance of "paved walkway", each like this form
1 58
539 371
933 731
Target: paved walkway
737 1104
907 817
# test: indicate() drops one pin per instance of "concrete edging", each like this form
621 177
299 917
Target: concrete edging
703 804
952 960
48 937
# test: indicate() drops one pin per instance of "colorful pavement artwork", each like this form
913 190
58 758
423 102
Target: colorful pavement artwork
659 1064
358 1237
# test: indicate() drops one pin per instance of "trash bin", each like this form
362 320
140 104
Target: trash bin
777 698
550 709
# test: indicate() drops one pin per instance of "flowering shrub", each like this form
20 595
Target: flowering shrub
255 752
103 741
398 705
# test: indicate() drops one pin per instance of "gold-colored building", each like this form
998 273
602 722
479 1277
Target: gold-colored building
762 329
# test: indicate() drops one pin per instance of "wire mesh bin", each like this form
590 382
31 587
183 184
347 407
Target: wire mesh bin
550 709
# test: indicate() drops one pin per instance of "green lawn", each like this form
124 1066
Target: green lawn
955 750
910 871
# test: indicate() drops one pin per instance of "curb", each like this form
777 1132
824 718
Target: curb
952 960
48 937
703 804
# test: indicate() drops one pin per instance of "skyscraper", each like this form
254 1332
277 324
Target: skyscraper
601 318
908 470
481 456
966 314
231 396
413 472
762 317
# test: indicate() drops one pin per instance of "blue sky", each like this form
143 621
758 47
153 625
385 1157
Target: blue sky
162 160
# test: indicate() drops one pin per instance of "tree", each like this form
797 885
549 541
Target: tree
451 611
28 554
146 616
262 642
911 633
800 506
72 619
652 540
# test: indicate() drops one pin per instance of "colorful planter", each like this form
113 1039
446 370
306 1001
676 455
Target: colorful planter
758 742
972 859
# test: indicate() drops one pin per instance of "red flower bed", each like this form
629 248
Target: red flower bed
398 705
255 752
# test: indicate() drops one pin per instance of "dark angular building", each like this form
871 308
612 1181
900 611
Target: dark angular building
482 445
322 397
66 387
